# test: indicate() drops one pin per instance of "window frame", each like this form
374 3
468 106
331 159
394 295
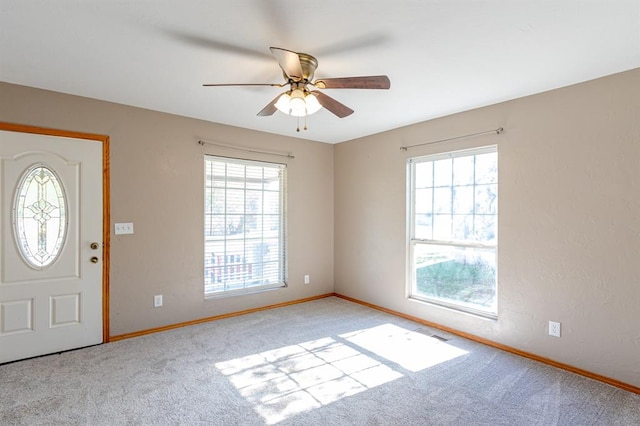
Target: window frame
282 249
413 242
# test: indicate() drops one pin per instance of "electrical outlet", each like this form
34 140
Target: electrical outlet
307 280
157 301
554 329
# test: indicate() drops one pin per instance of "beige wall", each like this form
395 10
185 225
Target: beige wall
569 232
157 183
569 222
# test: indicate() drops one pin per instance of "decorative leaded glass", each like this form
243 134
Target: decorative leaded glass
40 216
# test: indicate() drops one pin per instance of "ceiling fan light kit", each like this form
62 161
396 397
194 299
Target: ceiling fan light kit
298 70
298 103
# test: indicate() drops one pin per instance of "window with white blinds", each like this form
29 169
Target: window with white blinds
245 246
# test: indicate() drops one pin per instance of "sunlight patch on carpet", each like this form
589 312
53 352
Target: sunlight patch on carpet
410 350
287 381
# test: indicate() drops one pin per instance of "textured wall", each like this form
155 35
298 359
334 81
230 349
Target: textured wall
569 233
157 177
569 222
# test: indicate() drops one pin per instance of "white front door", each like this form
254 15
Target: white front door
51 230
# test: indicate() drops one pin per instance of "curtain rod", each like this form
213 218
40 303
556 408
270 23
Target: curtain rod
496 131
279 154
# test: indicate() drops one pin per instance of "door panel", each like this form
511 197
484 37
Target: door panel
16 316
50 307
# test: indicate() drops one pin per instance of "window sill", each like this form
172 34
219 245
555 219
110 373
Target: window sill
455 308
242 292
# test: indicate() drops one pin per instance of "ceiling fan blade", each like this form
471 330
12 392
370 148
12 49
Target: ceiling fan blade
368 82
242 84
332 105
195 39
289 62
347 45
270 108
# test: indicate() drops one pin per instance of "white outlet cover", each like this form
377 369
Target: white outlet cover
554 328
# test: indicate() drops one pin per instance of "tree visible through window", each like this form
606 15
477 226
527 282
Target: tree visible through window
244 231
453 229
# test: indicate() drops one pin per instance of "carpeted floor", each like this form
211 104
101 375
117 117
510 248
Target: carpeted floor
326 362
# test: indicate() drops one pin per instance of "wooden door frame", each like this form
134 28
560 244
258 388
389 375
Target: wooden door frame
106 206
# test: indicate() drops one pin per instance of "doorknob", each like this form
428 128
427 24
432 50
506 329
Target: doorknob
94 246
94 259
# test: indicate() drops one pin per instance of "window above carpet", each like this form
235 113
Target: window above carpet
244 226
453 218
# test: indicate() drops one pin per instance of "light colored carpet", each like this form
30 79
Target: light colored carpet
326 362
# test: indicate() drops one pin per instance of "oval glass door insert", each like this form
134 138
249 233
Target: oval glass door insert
40 216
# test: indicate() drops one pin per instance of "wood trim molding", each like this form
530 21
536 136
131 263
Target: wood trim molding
216 317
12 127
106 203
106 237
487 342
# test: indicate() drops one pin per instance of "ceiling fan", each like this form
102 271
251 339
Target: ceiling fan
299 101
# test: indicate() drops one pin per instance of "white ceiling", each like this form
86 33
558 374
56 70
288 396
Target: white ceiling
442 56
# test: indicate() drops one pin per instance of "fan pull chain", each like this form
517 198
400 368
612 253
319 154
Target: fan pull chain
305 124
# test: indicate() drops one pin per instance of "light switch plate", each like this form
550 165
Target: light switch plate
124 228
157 300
